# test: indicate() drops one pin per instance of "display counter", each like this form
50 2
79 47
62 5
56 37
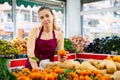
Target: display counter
21 62
92 56
14 63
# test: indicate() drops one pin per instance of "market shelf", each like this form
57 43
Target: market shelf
14 63
92 56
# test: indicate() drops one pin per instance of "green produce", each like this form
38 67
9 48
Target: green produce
5 73
104 45
68 46
7 48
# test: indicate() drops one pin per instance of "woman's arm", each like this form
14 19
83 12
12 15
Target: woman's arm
60 44
60 40
31 46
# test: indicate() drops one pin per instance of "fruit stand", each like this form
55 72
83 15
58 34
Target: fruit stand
21 62
96 67
14 63
78 63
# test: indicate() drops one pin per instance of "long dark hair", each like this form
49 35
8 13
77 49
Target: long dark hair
48 8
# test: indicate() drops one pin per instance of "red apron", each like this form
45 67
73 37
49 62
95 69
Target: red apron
44 49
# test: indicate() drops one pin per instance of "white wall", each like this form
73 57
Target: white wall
73 18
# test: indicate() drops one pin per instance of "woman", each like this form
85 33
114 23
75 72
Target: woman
43 40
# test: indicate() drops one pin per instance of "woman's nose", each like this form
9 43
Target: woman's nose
45 19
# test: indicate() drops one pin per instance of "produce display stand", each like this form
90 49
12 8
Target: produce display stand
14 63
92 56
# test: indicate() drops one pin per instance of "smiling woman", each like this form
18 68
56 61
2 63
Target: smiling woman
43 41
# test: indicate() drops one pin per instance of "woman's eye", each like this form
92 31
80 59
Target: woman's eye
41 17
47 16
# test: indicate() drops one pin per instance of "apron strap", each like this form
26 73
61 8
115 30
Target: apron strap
53 34
40 33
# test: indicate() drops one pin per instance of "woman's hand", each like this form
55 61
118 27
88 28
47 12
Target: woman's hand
62 55
63 58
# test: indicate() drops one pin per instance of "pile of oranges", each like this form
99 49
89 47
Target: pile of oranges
57 73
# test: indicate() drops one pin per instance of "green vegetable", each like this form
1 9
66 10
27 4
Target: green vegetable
36 59
67 70
68 46
5 73
61 77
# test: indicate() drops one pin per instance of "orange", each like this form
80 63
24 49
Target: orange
87 77
81 77
62 52
95 72
25 70
35 70
50 77
73 75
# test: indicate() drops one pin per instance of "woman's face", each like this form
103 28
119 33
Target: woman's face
46 17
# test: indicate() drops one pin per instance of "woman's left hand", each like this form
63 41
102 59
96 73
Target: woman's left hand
63 58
